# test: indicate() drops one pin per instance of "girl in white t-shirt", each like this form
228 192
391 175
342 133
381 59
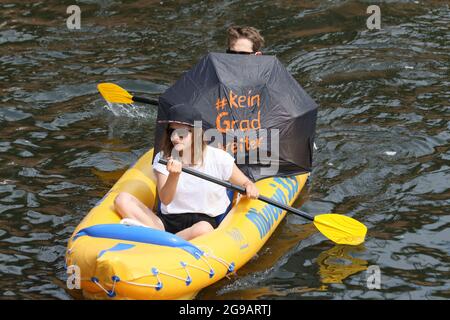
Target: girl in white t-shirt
189 204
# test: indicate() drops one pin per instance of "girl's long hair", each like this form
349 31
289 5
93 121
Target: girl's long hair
198 145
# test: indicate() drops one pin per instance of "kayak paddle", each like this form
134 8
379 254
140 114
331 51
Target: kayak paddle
338 228
113 93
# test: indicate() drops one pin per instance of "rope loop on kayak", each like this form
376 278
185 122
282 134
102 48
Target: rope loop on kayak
110 293
159 285
207 252
210 271
174 276
97 282
156 286
188 278
229 266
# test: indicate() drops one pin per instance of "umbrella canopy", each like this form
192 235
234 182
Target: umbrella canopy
257 107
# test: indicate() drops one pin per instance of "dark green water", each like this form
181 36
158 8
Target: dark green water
383 135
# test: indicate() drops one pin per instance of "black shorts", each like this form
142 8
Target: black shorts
174 223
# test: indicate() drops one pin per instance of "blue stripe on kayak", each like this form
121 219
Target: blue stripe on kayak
265 218
139 234
117 247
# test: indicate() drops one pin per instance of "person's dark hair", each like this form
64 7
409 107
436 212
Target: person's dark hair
197 150
250 33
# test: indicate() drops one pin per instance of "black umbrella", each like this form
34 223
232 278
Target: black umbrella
252 95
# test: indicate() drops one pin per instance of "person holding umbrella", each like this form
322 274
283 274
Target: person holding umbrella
244 40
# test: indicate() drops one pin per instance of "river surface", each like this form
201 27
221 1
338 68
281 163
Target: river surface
383 135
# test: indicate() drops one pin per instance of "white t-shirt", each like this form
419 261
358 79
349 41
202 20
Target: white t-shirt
198 195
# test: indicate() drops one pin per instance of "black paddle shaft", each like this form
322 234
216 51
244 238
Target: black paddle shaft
145 100
240 189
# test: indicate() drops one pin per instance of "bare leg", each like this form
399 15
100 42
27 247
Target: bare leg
196 230
128 206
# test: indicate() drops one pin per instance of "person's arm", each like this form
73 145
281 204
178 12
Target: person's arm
240 179
167 185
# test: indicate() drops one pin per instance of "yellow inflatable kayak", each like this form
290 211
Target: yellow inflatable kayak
117 261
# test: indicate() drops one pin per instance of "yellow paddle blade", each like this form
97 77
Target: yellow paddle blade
114 94
341 229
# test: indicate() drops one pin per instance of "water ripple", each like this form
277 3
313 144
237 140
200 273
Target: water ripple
383 135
